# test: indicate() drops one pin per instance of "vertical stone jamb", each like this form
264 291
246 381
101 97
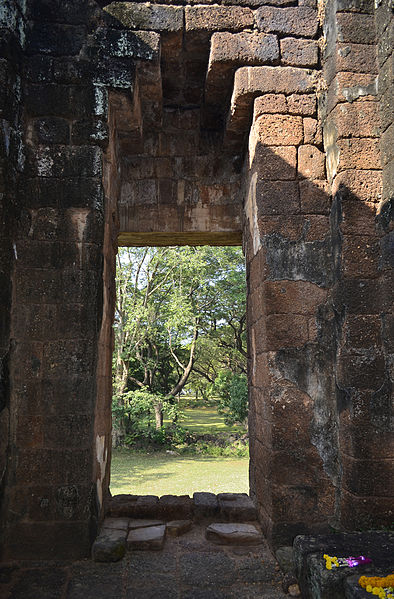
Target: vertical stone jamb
352 126
294 465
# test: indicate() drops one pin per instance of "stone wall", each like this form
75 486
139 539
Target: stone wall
12 35
197 123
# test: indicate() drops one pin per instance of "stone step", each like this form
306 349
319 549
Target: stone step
233 533
234 507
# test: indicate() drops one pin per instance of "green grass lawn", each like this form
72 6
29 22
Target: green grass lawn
163 473
160 473
204 419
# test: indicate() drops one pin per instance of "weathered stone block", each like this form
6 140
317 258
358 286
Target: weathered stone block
286 331
279 130
175 507
110 546
354 6
205 505
142 45
360 119
362 371
236 507
303 104
55 40
51 130
277 197
269 104
312 132
387 145
299 53
301 20
176 528
311 162
356 28
58 11
360 256
243 48
364 477
359 154
216 18
152 17
276 163
357 58
365 185
286 297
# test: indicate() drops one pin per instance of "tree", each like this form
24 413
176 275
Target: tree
180 313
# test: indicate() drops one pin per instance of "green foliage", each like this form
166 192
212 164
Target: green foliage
232 390
133 415
180 320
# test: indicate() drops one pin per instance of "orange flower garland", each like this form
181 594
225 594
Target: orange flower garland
381 586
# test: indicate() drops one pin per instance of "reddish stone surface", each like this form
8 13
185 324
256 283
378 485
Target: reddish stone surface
299 53
295 20
282 130
311 162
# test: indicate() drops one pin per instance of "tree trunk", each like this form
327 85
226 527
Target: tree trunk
159 415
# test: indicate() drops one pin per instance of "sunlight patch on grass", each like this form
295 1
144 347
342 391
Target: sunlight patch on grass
163 473
205 419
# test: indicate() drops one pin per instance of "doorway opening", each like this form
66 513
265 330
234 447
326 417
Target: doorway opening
180 392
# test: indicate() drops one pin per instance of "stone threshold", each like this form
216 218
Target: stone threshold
204 506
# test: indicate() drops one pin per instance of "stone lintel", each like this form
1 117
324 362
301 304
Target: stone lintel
134 239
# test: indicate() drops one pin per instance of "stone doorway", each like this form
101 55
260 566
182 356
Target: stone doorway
176 373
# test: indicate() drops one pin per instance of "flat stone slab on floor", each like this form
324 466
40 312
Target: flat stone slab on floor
143 523
147 539
115 523
110 545
233 533
176 528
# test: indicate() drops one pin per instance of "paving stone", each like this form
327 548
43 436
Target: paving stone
236 507
206 505
151 538
143 523
141 562
110 545
115 523
98 582
176 528
42 583
257 569
199 569
230 533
